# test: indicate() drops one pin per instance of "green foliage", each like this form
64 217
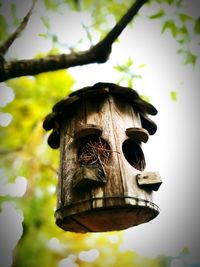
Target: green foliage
33 159
197 26
184 17
146 98
180 24
159 14
190 59
171 26
175 30
128 73
173 95
3 28
46 22
16 20
52 5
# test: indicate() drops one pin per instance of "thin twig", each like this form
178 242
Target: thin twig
95 151
5 46
96 54
89 36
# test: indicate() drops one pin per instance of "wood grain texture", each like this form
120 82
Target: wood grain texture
118 202
87 129
137 134
99 111
149 180
68 165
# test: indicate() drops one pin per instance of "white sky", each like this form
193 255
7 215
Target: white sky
174 149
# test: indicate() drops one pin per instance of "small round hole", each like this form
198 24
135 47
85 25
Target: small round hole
133 154
94 150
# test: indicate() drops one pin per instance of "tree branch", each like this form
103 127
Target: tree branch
96 54
5 46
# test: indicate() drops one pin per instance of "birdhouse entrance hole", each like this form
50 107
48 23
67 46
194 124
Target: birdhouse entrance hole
133 154
94 150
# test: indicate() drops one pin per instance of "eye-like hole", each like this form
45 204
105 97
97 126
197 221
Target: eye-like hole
133 154
94 150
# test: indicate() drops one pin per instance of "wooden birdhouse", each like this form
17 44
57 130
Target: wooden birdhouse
102 183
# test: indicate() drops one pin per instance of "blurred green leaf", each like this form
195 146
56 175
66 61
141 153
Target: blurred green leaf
146 98
3 28
16 20
159 14
170 25
52 5
184 17
183 30
185 251
169 1
141 66
191 58
197 26
129 62
44 35
74 4
46 22
173 95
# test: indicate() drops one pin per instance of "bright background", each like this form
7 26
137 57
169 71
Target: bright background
173 150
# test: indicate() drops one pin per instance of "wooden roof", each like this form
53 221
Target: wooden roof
54 119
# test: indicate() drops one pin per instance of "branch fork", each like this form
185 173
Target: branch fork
95 54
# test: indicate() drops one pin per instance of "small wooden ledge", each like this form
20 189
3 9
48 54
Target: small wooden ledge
87 129
149 180
137 134
88 176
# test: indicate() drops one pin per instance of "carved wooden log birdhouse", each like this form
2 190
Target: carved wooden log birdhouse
102 183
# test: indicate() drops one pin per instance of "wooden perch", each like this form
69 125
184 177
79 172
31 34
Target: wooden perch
87 176
96 54
137 134
86 130
149 180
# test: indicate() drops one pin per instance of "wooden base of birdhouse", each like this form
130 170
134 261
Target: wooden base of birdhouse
119 213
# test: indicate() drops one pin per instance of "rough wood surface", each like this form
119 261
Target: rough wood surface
137 134
149 180
88 176
117 202
99 111
69 164
87 129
